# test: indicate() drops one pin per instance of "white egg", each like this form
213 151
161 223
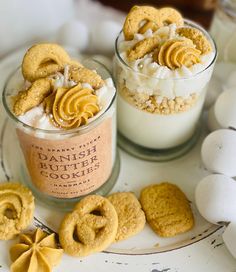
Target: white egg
218 152
229 236
104 60
212 123
213 91
225 109
104 35
74 34
215 198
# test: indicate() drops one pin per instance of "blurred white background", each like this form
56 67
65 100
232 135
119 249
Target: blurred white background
83 24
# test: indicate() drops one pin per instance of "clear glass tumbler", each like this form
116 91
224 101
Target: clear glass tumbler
61 166
159 130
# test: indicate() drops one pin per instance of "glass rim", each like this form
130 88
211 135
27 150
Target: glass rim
189 23
56 131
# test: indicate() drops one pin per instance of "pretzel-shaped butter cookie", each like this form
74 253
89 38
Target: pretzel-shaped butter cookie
170 16
42 60
134 18
16 209
90 228
148 25
153 18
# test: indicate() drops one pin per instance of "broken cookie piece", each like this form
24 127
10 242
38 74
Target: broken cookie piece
84 75
32 97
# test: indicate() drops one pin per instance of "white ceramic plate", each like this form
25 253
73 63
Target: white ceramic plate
200 249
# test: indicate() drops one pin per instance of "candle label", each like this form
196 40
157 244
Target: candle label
69 167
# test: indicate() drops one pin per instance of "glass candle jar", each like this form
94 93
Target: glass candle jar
158 117
223 30
61 166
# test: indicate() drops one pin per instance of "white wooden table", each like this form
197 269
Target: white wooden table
201 249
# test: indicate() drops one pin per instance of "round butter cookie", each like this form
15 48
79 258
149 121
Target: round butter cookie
131 218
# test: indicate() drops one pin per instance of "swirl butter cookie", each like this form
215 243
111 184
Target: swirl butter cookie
16 209
167 209
131 218
90 228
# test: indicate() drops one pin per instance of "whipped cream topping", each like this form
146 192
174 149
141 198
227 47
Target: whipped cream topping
37 117
148 77
62 80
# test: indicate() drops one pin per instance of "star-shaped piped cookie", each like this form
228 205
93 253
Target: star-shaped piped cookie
35 252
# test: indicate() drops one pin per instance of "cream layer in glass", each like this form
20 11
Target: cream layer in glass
159 108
